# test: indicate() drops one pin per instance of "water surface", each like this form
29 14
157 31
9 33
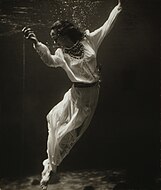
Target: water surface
14 15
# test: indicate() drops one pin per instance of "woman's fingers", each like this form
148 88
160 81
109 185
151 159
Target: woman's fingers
121 2
28 33
25 29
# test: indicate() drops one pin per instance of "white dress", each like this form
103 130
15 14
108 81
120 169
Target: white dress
70 118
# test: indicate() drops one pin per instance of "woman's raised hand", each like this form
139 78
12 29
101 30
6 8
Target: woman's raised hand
29 34
121 2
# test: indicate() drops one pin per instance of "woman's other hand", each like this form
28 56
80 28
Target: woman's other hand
121 2
29 34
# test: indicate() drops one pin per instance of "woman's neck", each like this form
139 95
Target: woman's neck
76 51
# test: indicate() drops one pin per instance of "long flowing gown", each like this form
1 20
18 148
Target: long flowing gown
70 118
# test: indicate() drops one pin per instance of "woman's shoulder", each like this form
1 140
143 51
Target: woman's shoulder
86 33
86 36
58 52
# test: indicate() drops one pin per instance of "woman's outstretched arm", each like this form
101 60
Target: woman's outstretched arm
49 59
99 34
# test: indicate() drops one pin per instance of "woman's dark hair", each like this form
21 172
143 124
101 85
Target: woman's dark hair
66 28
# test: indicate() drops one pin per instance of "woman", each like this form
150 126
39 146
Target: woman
77 56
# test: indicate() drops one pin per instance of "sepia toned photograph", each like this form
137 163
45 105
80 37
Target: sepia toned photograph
80 95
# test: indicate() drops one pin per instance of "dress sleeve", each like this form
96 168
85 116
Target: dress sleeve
96 37
49 59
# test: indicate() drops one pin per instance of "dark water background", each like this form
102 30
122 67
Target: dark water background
124 132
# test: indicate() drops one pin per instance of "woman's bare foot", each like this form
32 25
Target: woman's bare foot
47 174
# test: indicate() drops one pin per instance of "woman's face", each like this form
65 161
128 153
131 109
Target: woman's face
63 41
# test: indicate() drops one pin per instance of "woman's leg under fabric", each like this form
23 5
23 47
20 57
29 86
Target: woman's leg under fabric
49 168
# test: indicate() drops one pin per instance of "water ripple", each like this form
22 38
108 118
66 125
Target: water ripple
13 16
